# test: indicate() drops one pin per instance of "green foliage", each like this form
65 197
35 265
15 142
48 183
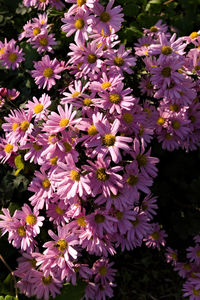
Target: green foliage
72 292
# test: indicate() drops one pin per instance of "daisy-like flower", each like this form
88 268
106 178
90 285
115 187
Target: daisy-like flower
156 237
44 42
77 24
156 29
59 122
6 150
58 213
69 180
135 181
76 90
194 254
39 107
145 162
46 71
149 206
62 243
31 218
18 126
7 223
103 271
44 286
107 141
120 61
167 47
190 289
42 188
116 99
12 55
106 82
102 178
107 18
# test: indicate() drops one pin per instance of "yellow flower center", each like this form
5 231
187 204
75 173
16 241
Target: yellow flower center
36 31
174 256
92 130
38 108
118 61
79 24
186 267
119 215
193 35
105 85
168 136
141 131
160 121
46 183
12 57
81 221
37 147
149 86
101 174
81 2
195 292
15 126
61 245
74 175
63 122
24 125
2 51
75 94
108 140
197 67
141 160
33 263
59 210
174 107
115 98
155 236
132 180
67 146
87 101
153 29
48 72
43 41
21 231
198 253
128 117
104 17
176 124
46 280
166 72
50 139
31 220
8 148
102 270
166 50
99 218
135 223
92 58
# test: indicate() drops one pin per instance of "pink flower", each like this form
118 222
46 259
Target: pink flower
107 18
102 178
59 122
46 72
39 107
107 141
12 56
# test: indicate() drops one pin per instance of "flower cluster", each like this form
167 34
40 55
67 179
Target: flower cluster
93 163
188 269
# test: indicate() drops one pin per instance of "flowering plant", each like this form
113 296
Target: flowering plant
87 153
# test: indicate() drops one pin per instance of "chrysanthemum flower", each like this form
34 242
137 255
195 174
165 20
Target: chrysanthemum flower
59 122
12 55
107 18
46 71
39 107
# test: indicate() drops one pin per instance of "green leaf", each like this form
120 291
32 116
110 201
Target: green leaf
19 164
72 292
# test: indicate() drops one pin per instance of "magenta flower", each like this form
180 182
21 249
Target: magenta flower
102 178
46 71
12 56
156 237
44 42
107 18
107 141
69 180
39 107
59 122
